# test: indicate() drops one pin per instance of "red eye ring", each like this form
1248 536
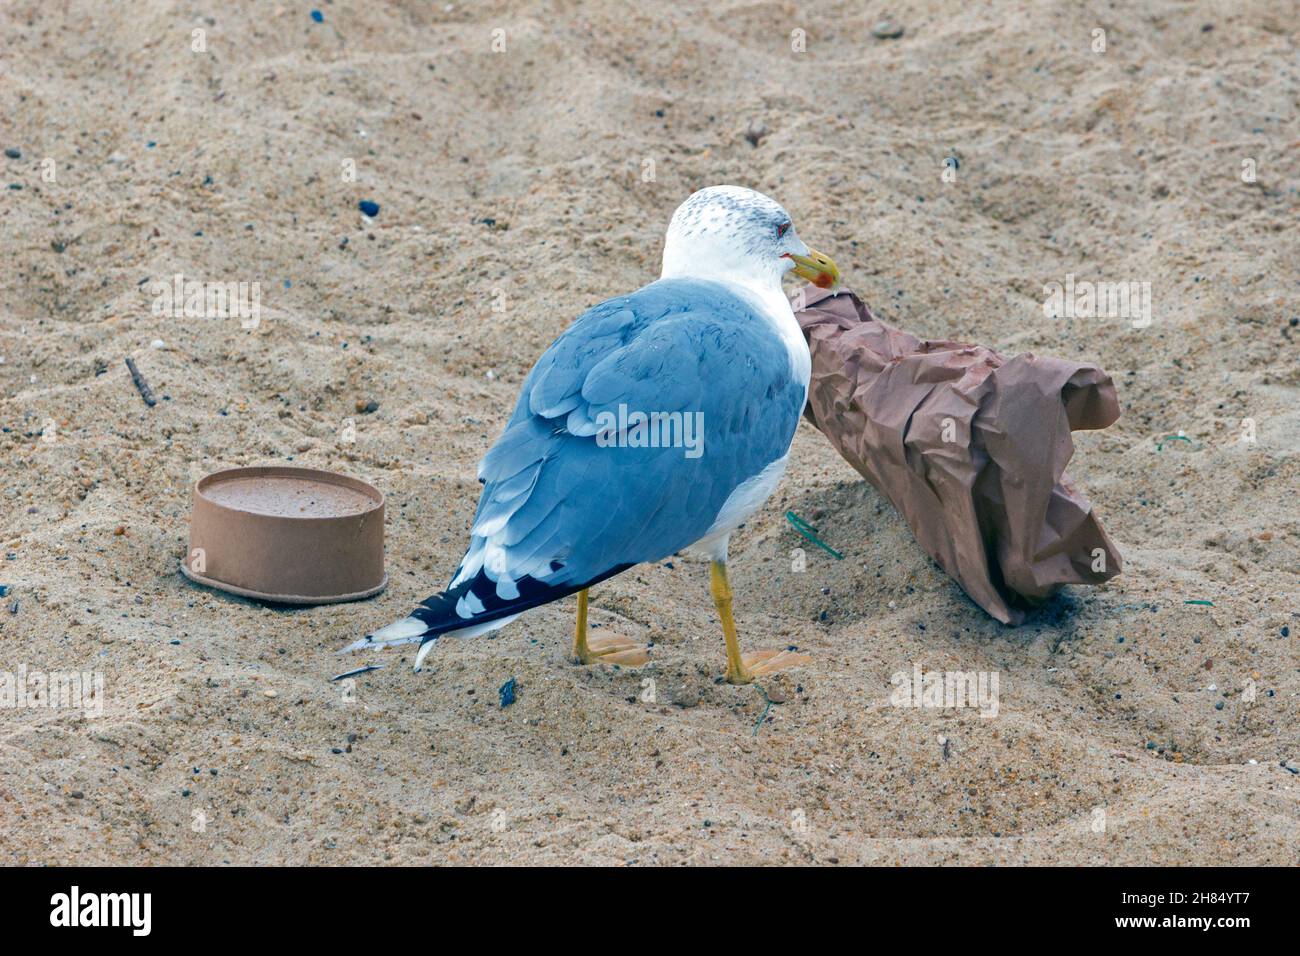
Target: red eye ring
782 229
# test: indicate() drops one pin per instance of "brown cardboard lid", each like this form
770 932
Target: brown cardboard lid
289 535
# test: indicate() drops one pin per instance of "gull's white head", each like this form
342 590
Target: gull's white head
731 233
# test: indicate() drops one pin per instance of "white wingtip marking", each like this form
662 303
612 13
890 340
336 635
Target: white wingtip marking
406 631
425 648
469 605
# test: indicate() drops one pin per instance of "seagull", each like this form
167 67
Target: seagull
657 423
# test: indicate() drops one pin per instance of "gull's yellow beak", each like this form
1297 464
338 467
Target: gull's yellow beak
818 269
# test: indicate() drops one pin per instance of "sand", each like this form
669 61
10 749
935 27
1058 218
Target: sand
517 188
285 496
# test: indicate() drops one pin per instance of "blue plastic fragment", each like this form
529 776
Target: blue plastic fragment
371 209
507 693
318 16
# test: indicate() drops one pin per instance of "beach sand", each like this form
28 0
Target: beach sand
1135 723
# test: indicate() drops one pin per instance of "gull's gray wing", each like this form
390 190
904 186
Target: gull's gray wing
568 500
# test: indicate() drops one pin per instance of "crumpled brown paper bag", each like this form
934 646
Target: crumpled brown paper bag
969 445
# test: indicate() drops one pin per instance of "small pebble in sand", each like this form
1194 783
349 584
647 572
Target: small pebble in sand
269 693
371 209
887 30
14 153
367 406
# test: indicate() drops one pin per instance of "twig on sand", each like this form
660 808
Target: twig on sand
141 385
359 670
763 715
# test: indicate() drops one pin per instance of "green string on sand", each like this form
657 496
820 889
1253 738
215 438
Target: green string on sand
809 532
1160 442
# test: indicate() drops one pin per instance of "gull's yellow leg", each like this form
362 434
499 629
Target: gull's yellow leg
722 597
743 668
614 649
580 650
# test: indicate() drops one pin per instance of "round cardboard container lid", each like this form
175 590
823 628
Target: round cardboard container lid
288 535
